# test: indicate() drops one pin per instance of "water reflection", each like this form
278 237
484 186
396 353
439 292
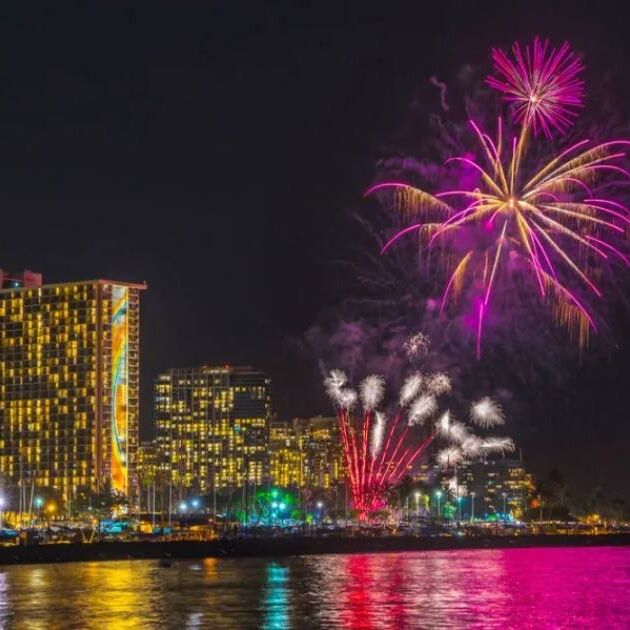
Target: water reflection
276 598
520 588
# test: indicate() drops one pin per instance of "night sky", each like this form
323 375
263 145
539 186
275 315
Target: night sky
214 150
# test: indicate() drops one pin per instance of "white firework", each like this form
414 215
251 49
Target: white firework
458 432
410 388
449 457
416 345
443 424
347 398
422 408
501 445
378 433
486 413
472 446
372 391
451 430
334 383
438 384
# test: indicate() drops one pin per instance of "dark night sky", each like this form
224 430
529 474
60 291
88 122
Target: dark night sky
214 149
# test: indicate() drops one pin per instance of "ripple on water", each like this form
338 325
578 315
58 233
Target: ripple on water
511 588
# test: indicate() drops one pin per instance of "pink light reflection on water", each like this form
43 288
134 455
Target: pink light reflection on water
513 588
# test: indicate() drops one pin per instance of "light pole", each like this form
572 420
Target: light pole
417 496
38 504
472 507
504 495
459 509
438 496
320 507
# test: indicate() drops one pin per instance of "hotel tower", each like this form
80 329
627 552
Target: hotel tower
212 427
68 384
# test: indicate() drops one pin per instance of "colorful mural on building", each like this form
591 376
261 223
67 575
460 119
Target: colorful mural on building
119 416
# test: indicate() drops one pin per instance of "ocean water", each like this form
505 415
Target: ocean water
513 588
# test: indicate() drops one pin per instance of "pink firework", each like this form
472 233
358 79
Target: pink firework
548 219
542 84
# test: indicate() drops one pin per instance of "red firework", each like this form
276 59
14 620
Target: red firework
377 457
542 84
372 471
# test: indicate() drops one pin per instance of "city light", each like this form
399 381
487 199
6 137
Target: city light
183 506
101 339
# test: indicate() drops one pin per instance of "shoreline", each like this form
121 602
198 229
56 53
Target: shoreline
288 546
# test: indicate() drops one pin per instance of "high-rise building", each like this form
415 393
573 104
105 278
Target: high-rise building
323 456
307 453
286 456
69 370
212 426
147 462
496 483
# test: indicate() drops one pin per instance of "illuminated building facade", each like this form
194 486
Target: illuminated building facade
286 457
147 463
212 427
321 444
69 367
494 483
307 453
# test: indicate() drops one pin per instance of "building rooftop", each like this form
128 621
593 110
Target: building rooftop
34 281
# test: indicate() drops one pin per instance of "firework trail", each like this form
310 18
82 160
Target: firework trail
546 219
376 449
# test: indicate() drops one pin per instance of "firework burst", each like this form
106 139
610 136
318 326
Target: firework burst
486 413
376 448
544 220
542 84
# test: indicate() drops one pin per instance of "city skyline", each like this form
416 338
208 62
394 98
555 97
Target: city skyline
154 156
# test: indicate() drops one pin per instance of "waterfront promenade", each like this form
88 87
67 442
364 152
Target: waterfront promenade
294 545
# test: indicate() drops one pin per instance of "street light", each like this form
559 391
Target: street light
195 503
418 495
472 507
39 502
320 507
50 508
183 506
282 507
438 496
